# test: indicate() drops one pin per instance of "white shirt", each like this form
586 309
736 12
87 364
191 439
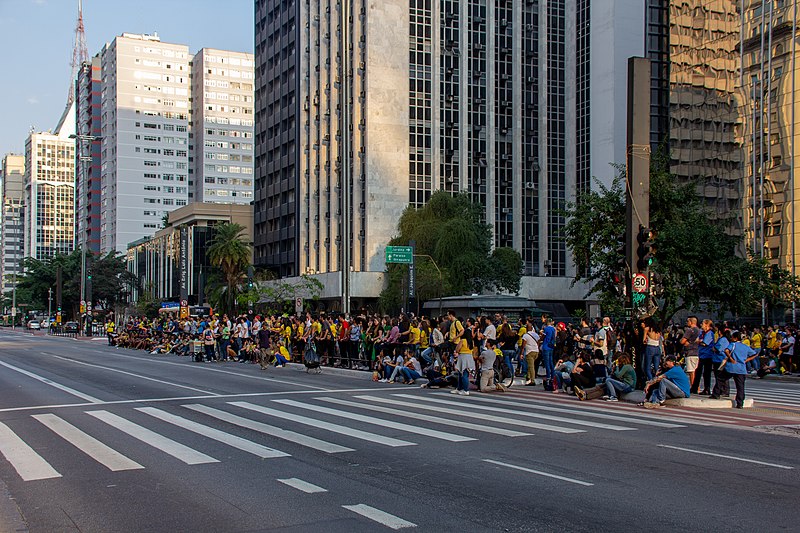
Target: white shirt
490 332
531 339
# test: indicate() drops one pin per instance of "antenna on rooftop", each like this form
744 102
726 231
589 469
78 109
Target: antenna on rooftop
79 53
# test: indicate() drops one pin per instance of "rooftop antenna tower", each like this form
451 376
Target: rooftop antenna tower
79 53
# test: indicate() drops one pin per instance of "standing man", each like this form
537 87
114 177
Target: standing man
690 346
548 344
601 338
705 353
530 350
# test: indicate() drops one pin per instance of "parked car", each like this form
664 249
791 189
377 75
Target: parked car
71 327
34 324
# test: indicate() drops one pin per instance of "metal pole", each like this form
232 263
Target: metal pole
794 235
49 303
344 192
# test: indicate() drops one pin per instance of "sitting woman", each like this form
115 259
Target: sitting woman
582 375
248 351
411 369
281 355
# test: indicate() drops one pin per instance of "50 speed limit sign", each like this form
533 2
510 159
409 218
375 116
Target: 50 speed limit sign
640 283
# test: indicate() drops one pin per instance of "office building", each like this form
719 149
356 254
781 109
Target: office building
144 114
702 100
358 114
88 92
771 104
155 260
49 197
12 175
222 131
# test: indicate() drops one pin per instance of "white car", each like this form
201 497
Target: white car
34 324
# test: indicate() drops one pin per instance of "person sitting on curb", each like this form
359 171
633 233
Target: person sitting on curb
582 376
561 374
281 355
411 369
622 380
671 383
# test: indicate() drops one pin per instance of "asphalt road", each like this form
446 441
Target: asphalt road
97 439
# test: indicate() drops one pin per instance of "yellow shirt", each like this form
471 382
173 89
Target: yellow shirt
755 341
414 335
522 331
772 340
463 347
316 327
423 339
284 352
455 329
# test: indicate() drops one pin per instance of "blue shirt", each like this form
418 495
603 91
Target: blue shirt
740 353
549 341
707 351
678 377
719 350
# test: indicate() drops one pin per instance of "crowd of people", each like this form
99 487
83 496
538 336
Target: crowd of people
590 360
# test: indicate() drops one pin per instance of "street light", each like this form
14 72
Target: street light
82 218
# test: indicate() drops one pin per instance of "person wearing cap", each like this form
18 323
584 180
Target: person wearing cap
671 383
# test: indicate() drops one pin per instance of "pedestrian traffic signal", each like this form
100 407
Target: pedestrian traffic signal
621 252
646 251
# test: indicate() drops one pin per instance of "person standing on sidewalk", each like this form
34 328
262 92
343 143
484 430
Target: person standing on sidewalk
548 344
530 350
705 352
690 347
738 355
464 364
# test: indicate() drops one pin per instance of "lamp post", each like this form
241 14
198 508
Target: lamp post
82 214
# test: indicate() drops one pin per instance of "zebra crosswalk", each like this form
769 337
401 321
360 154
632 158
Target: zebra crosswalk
784 397
277 429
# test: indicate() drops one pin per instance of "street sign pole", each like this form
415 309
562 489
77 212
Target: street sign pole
412 284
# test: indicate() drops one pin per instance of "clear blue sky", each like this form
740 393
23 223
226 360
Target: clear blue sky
36 38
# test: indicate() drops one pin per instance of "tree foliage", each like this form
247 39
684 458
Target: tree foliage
110 282
231 253
449 231
697 264
278 295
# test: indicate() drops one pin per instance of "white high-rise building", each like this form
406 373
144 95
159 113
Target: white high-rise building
144 139
49 205
12 174
222 131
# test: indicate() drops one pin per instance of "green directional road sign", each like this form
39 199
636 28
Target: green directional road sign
400 254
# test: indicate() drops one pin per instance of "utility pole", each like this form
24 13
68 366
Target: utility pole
637 176
49 303
345 242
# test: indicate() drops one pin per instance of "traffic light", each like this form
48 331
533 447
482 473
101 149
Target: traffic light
646 251
621 253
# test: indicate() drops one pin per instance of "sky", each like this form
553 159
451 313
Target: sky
37 37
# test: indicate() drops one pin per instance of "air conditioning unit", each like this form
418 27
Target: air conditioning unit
530 185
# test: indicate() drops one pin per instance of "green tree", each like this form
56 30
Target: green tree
279 295
696 261
450 230
111 280
230 252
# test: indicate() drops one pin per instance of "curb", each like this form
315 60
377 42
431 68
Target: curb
333 371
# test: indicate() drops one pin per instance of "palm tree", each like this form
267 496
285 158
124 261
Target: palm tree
231 253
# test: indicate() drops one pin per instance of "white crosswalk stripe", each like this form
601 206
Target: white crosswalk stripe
465 413
525 404
291 436
518 412
426 418
321 424
220 436
29 465
159 442
106 456
451 437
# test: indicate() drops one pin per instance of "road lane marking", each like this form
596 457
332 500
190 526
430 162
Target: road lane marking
207 368
726 456
528 405
215 434
381 517
52 383
291 436
103 454
184 399
321 424
588 423
539 473
451 437
29 465
427 418
118 371
175 449
471 414
303 486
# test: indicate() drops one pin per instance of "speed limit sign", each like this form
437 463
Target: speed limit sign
640 283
